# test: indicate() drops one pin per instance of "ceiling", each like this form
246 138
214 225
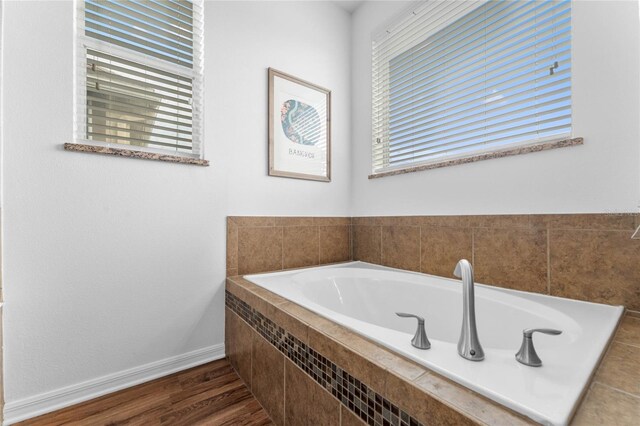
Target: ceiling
348 5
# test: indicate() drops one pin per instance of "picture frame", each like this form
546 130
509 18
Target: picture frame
299 128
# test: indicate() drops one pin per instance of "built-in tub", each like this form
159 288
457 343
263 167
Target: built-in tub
365 297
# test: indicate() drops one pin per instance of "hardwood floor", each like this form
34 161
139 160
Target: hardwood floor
211 394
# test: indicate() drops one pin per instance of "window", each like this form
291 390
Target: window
139 75
457 79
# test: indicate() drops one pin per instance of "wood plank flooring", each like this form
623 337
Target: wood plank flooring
211 394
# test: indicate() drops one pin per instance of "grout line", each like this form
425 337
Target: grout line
381 246
284 388
624 343
420 248
616 389
473 248
318 234
548 261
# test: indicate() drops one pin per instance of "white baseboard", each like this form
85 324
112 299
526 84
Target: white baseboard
15 411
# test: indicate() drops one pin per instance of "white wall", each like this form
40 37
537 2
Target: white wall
603 175
111 263
309 40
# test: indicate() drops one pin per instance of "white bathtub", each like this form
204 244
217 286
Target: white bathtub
365 297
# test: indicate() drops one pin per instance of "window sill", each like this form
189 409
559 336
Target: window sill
542 146
130 153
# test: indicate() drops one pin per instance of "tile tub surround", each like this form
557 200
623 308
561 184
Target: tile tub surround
265 243
310 362
264 328
578 256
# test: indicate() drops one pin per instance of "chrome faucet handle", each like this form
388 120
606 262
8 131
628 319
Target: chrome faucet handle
420 339
527 354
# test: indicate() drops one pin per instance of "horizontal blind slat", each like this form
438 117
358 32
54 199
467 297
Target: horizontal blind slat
460 44
158 118
139 134
104 24
506 134
145 27
136 68
473 129
125 107
178 128
96 136
534 43
480 117
477 92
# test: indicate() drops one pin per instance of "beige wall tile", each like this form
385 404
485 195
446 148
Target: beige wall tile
367 243
232 246
334 244
511 258
599 266
619 369
401 247
296 405
243 221
367 220
267 378
324 409
515 221
238 336
629 331
606 406
247 295
300 246
294 221
259 249
400 220
373 375
588 221
287 321
332 221
306 402
445 221
371 351
476 407
442 248
422 406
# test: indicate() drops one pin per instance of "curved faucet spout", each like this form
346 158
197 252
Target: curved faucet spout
468 345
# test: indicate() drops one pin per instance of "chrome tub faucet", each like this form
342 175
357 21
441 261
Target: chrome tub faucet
468 345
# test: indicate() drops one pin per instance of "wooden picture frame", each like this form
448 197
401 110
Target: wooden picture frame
299 128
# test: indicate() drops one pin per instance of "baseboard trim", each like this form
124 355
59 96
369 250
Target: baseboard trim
15 411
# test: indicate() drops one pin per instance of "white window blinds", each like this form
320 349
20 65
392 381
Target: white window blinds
140 74
453 79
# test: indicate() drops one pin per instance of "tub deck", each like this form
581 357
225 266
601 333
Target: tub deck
410 387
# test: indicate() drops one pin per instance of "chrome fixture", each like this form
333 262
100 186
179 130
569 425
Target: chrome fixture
527 354
468 345
420 339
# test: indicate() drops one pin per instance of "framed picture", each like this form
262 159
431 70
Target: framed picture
299 128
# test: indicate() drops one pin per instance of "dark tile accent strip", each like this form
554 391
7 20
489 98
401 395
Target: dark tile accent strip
130 153
370 406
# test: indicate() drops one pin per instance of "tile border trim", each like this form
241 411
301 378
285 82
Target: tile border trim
130 153
371 407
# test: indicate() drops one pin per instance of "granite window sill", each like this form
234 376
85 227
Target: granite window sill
542 146
130 153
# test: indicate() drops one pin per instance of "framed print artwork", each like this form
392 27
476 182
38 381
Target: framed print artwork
299 128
